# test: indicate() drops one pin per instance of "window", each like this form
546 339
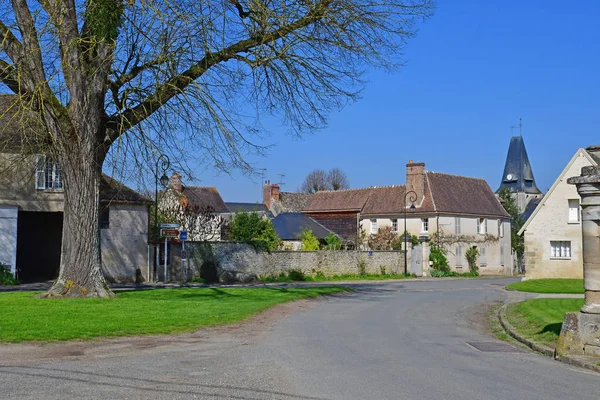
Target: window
459 256
457 226
574 210
501 255
373 226
104 217
500 228
47 174
424 224
395 225
482 226
560 249
482 261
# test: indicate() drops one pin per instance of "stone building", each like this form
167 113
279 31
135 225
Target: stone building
459 212
552 233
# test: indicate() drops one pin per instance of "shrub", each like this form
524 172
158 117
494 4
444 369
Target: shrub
438 257
309 241
197 279
472 255
382 269
6 277
318 274
398 241
362 266
382 240
251 228
296 275
333 242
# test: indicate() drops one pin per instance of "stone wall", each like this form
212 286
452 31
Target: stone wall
244 259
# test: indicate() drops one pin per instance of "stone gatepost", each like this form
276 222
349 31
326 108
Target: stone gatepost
580 334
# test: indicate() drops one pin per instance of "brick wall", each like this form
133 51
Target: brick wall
244 258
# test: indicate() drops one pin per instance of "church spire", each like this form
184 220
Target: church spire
518 175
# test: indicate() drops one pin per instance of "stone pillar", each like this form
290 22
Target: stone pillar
580 333
588 187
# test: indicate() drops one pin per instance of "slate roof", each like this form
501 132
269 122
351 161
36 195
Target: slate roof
339 200
531 206
291 202
112 190
289 226
518 175
205 196
249 207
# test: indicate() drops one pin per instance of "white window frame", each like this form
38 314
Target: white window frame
424 225
373 226
482 226
457 226
48 174
395 225
560 249
574 213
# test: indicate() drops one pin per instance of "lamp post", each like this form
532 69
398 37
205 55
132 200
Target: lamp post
164 163
412 198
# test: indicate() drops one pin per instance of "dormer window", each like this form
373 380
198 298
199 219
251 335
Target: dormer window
47 174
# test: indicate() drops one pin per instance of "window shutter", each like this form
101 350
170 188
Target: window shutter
458 256
457 225
40 172
482 256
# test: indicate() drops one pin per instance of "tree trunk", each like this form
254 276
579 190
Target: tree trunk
81 262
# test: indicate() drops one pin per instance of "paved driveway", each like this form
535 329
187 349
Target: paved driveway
401 340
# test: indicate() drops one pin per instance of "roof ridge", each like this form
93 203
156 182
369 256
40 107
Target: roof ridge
456 175
341 190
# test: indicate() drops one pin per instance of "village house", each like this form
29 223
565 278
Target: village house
290 226
552 231
456 211
284 202
200 210
32 203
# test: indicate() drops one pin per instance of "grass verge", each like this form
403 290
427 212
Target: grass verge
568 286
160 311
541 319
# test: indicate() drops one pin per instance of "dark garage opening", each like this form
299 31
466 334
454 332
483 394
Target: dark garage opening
39 236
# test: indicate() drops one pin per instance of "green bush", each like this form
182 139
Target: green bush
296 275
6 277
472 255
362 266
333 242
197 279
251 228
309 241
438 258
382 269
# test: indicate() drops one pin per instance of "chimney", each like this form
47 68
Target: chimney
275 192
415 180
175 182
267 194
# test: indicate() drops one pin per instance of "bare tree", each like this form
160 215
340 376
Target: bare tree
337 179
316 180
120 81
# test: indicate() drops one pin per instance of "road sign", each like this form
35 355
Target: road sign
169 225
169 233
183 235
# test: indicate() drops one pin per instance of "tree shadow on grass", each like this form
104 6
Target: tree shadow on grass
553 328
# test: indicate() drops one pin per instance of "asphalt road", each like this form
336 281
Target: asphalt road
404 340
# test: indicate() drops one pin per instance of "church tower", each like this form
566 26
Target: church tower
518 175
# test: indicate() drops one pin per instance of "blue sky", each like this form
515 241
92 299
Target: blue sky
471 72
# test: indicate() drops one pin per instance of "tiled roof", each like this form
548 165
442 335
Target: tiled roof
443 193
112 190
339 200
289 226
463 195
291 202
205 196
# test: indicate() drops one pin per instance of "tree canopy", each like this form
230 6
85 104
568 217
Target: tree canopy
120 82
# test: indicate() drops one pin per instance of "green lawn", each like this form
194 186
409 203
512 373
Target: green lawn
541 319
574 286
160 311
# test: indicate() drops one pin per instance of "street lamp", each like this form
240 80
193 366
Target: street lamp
412 198
164 163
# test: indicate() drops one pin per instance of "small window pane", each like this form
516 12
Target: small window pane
574 210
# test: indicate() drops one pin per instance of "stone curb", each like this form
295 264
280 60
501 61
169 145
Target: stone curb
540 348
